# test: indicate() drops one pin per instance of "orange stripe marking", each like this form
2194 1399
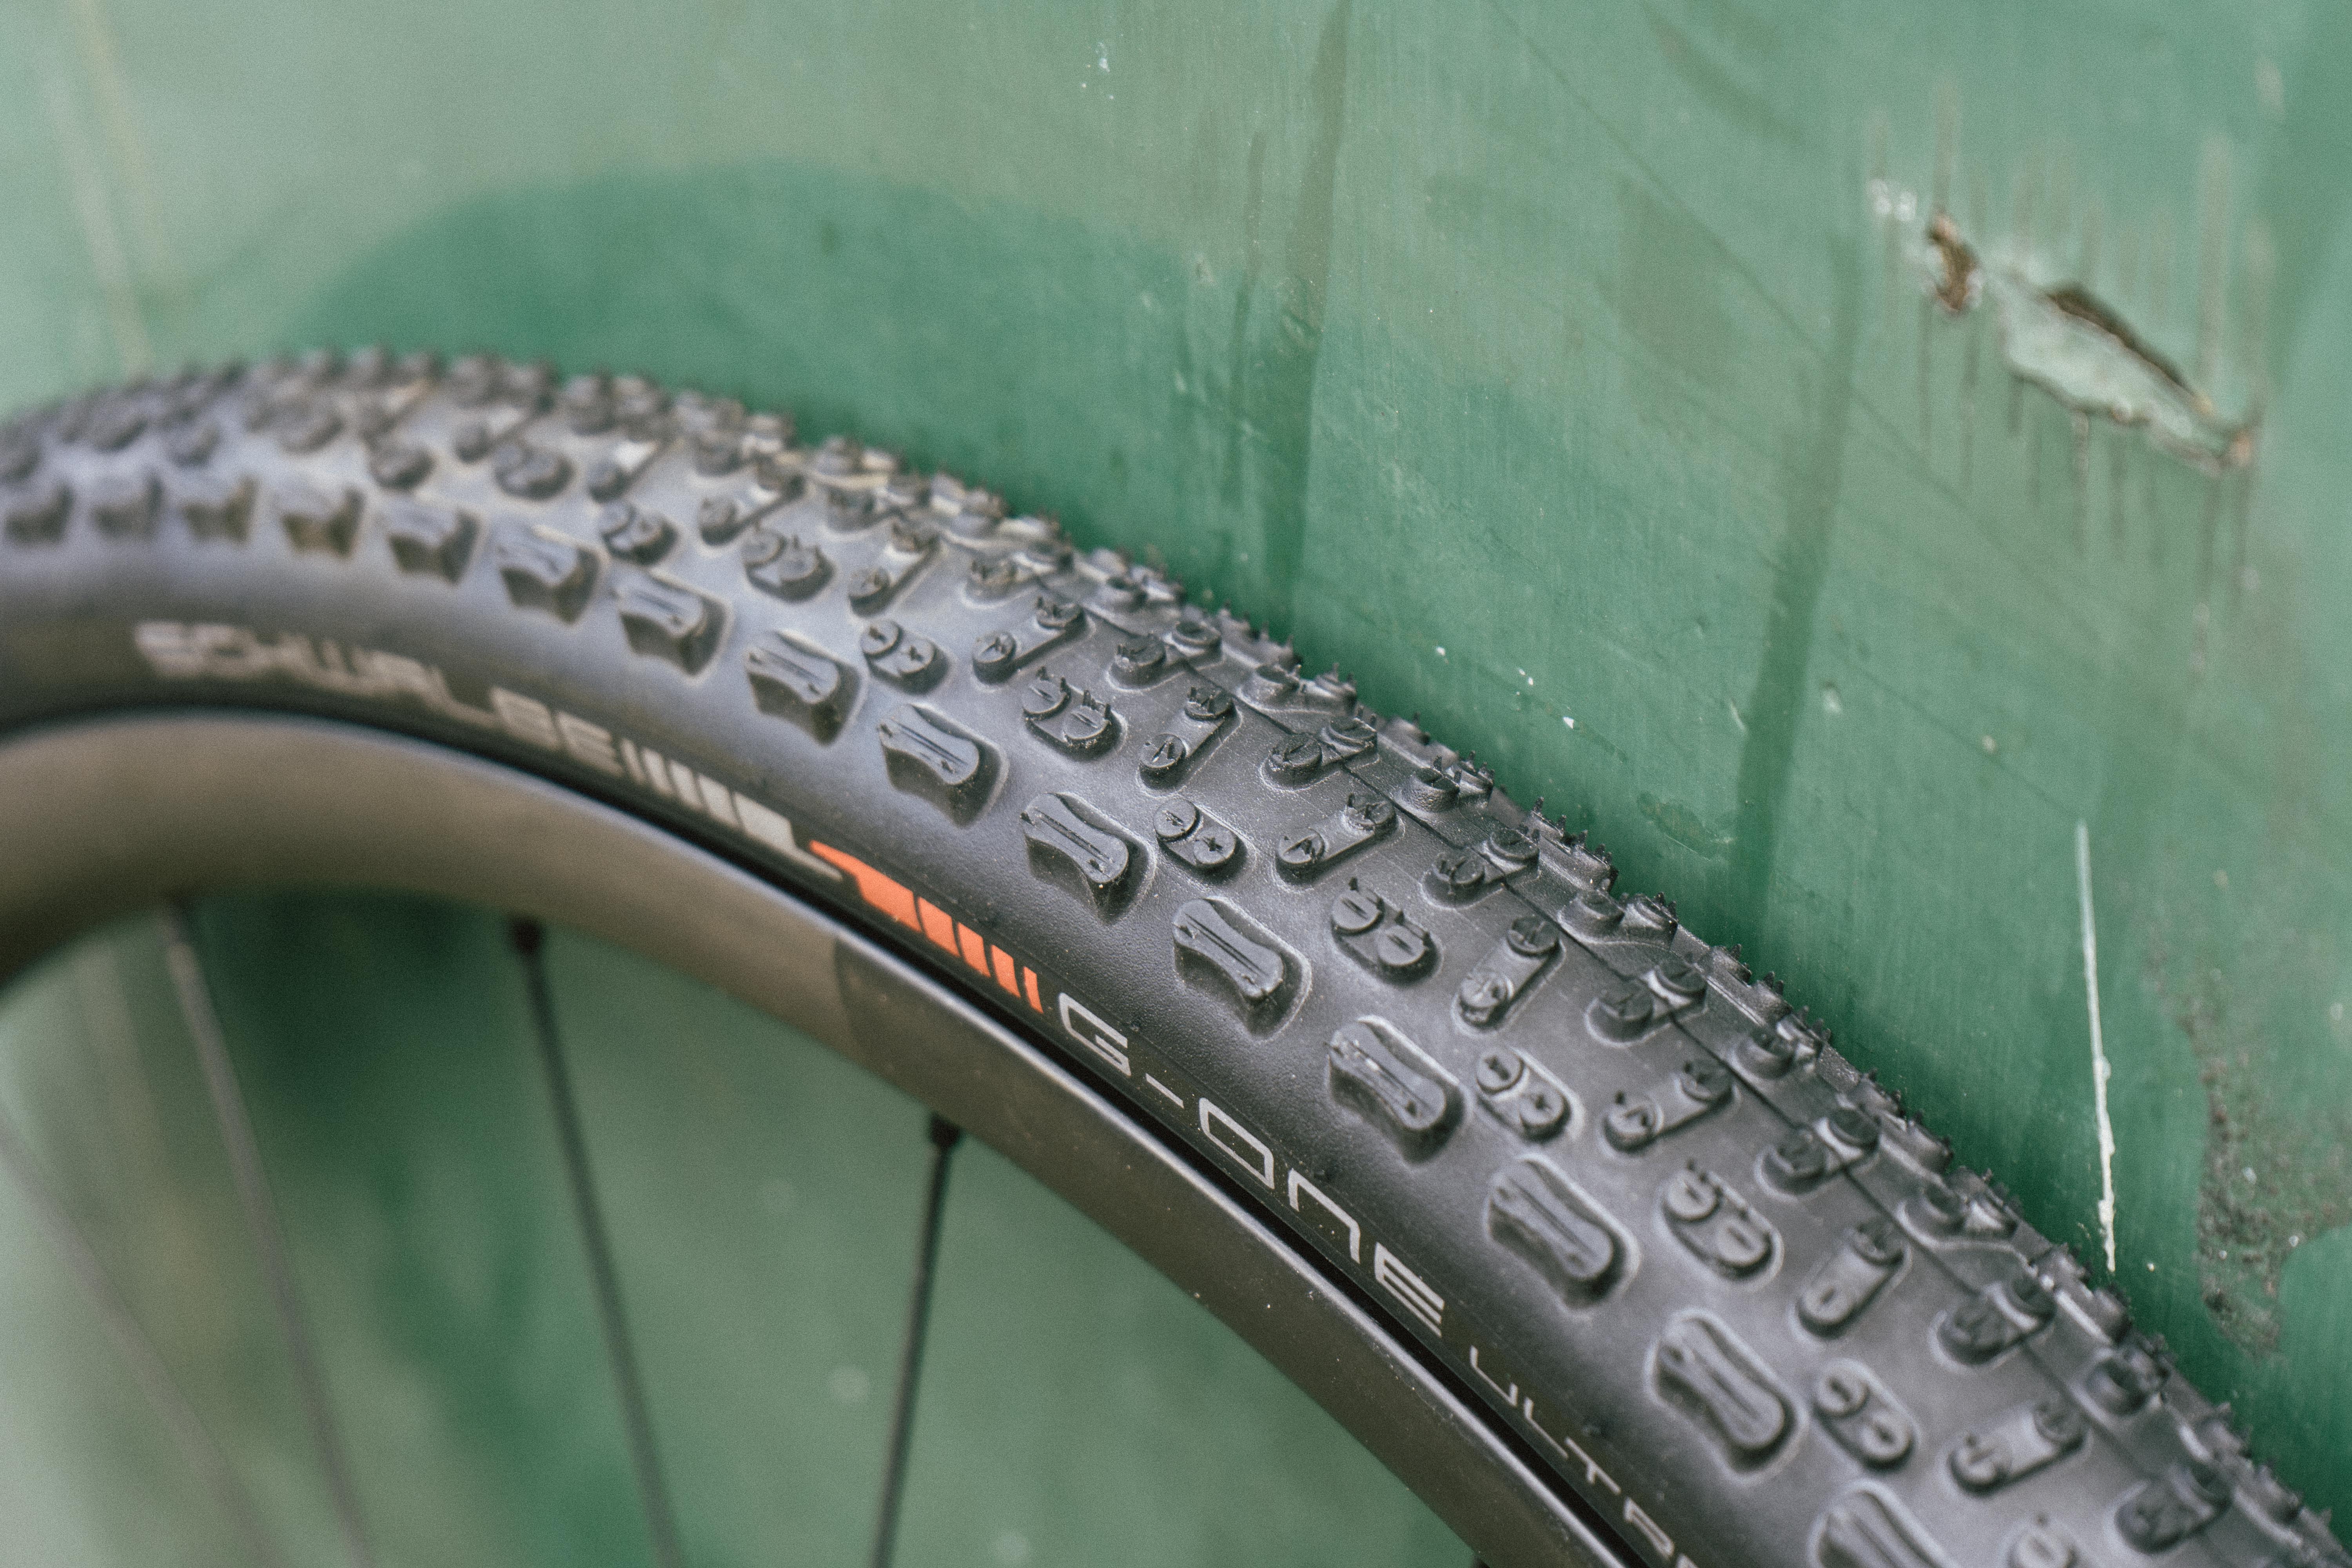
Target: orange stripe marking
975 952
1029 979
891 898
937 925
1004 975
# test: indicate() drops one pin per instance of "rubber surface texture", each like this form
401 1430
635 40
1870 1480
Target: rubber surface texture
1685 1253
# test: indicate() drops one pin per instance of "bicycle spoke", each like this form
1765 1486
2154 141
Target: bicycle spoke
945 1135
161 1390
661 1526
261 1219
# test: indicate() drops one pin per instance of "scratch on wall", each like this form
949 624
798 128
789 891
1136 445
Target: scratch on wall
2100 1071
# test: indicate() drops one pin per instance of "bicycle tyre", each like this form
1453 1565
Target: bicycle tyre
1678 1250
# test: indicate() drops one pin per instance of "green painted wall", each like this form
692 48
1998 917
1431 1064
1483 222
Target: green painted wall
1537 363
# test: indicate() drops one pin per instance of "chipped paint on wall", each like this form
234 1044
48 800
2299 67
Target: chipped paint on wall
2057 334
2277 1171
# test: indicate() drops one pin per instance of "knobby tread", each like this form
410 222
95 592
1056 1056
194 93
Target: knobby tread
1715 1277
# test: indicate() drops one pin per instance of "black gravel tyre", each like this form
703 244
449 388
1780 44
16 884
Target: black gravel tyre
1676 1250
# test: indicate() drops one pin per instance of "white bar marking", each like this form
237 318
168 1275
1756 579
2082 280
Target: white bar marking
717 800
775 831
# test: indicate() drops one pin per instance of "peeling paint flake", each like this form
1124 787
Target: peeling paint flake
2064 338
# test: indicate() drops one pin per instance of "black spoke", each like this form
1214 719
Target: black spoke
146 1366
945 1135
261 1219
604 1279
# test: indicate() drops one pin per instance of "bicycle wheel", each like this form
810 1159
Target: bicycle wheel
1594 1240
638 1288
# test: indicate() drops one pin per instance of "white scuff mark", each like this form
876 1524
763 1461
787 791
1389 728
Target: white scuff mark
1568 721
1736 719
1893 201
2100 1071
